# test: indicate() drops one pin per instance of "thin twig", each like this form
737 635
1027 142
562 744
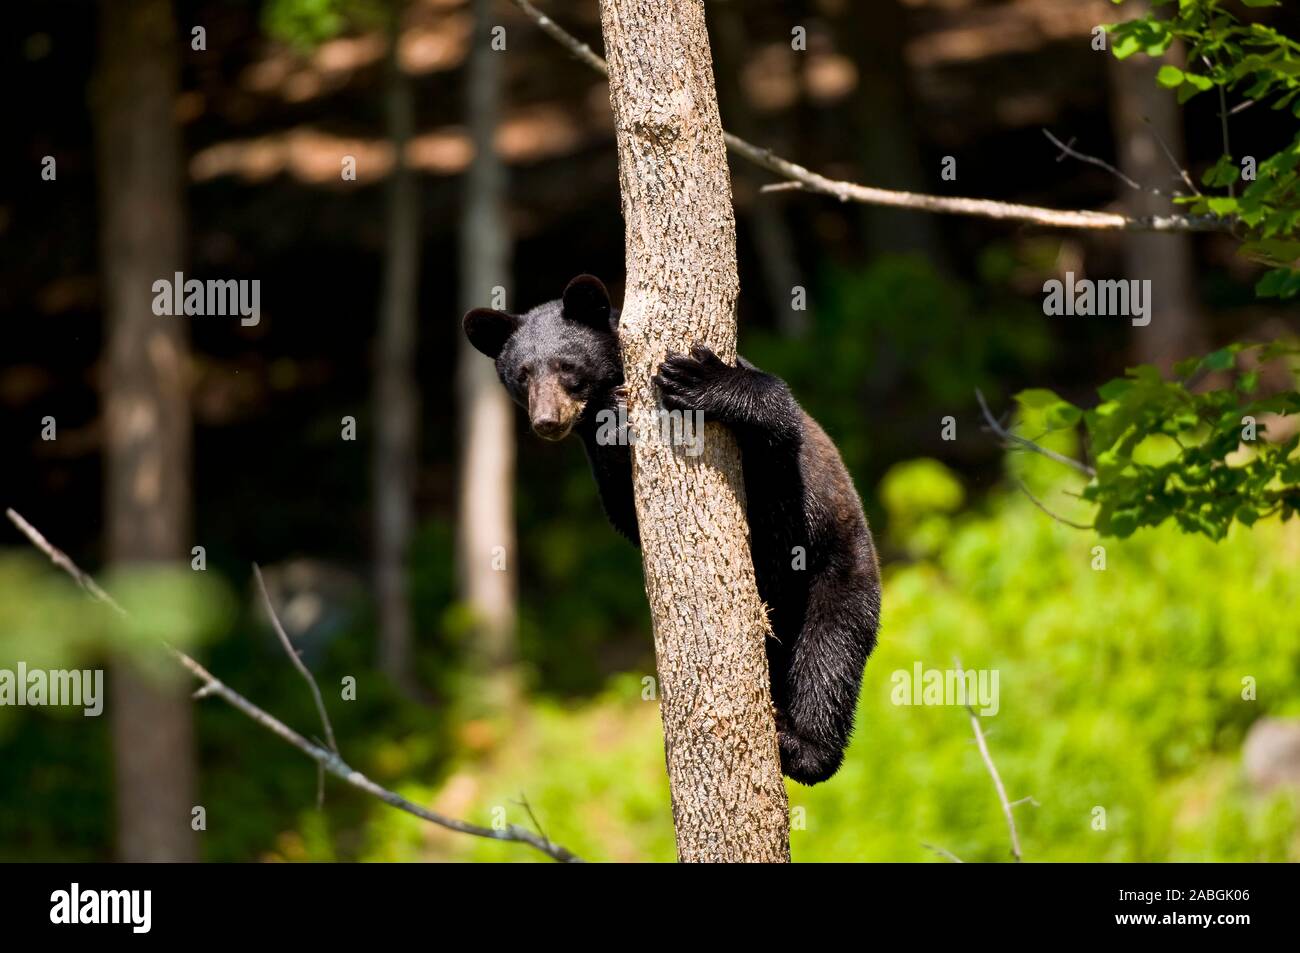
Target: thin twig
943 852
1169 154
329 760
528 809
1223 123
889 198
306 674
1067 149
1010 437
61 559
294 658
993 772
1039 503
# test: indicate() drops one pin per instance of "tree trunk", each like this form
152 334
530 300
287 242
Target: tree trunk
729 801
485 513
396 405
146 393
1143 113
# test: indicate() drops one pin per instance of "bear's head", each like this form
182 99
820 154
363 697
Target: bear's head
554 359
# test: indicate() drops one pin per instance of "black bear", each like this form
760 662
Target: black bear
814 559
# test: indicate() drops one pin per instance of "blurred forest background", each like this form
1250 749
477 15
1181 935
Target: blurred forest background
479 169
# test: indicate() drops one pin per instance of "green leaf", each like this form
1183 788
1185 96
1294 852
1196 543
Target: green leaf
1170 76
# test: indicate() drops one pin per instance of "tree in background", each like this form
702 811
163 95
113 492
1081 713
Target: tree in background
147 406
729 800
485 526
396 392
1168 448
1147 121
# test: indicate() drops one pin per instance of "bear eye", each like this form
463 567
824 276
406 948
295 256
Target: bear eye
566 367
522 378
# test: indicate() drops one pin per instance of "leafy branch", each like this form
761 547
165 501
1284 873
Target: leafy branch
1162 450
1227 54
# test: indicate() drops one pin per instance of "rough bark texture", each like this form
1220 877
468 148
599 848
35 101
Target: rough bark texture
485 511
729 801
1143 113
146 393
396 393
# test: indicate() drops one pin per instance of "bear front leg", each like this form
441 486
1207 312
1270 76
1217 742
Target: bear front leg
741 397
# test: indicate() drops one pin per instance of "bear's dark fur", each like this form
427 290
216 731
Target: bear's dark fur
561 361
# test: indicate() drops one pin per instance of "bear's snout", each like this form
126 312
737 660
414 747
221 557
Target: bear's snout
551 411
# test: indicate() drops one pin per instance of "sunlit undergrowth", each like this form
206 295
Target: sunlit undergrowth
1120 689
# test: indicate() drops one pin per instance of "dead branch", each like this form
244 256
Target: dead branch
1043 506
328 759
1011 438
993 772
798 177
943 852
1068 151
297 663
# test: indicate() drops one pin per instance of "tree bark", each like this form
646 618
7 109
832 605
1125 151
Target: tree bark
146 395
485 511
729 801
1142 114
396 398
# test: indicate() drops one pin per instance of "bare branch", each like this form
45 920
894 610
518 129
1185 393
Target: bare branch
1010 437
993 772
943 852
528 808
60 559
327 759
1067 149
566 39
1169 154
940 204
1039 503
306 674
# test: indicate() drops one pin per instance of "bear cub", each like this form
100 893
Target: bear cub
814 559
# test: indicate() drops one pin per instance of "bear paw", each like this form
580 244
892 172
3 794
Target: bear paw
694 381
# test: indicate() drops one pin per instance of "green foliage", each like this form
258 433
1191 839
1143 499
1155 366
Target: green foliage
1226 53
1119 689
59 805
899 326
308 23
1165 450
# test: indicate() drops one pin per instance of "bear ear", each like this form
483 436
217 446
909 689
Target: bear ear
488 330
587 302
